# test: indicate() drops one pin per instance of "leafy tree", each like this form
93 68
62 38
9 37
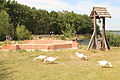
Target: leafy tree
82 23
2 3
18 13
54 23
43 22
22 33
42 19
85 26
69 31
5 26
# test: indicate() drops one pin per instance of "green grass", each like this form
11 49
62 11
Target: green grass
20 65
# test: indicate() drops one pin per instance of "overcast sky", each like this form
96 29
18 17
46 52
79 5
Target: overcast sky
80 7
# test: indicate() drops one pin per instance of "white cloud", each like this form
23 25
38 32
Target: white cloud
46 4
82 7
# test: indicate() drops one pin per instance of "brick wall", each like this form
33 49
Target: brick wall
43 45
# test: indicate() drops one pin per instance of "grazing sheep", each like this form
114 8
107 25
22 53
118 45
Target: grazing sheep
50 59
81 56
105 63
40 58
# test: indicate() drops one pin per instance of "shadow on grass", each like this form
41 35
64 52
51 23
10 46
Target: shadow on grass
50 63
5 72
83 41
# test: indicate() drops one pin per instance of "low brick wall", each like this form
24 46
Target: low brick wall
43 45
45 41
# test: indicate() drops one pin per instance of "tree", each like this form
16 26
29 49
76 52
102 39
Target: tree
5 26
19 13
85 27
54 25
41 22
69 31
2 3
22 33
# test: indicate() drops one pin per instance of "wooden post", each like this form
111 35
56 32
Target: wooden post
93 43
105 43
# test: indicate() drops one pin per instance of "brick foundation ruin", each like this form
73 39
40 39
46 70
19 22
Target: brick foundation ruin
43 45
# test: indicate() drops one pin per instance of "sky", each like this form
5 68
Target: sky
80 7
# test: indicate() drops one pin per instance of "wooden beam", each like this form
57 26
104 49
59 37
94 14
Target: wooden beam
105 43
93 43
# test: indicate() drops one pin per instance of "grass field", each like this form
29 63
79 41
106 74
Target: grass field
20 65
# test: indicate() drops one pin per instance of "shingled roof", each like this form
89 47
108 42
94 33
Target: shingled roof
100 12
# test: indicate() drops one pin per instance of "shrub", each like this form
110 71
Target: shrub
22 33
7 42
114 39
21 51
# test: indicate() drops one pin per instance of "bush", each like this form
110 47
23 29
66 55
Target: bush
7 42
114 39
22 33
21 51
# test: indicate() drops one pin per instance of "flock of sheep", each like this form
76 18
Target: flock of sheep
45 59
82 56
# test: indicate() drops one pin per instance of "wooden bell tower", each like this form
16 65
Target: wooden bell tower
99 13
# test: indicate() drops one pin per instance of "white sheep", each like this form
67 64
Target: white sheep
105 63
81 56
50 59
40 58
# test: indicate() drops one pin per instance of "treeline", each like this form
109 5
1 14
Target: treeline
38 22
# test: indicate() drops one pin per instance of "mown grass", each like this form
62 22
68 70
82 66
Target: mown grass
20 65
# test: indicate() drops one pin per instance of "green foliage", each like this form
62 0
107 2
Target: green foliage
22 33
7 42
22 51
86 25
20 42
41 22
82 24
5 26
114 39
63 38
54 23
69 31
2 4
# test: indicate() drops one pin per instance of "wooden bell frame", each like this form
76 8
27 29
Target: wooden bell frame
104 40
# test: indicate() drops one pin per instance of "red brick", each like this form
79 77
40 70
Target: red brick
45 45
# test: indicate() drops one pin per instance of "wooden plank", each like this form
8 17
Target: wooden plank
101 12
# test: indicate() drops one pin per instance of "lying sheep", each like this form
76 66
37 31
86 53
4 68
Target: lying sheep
40 58
105 63
81 56
50 59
